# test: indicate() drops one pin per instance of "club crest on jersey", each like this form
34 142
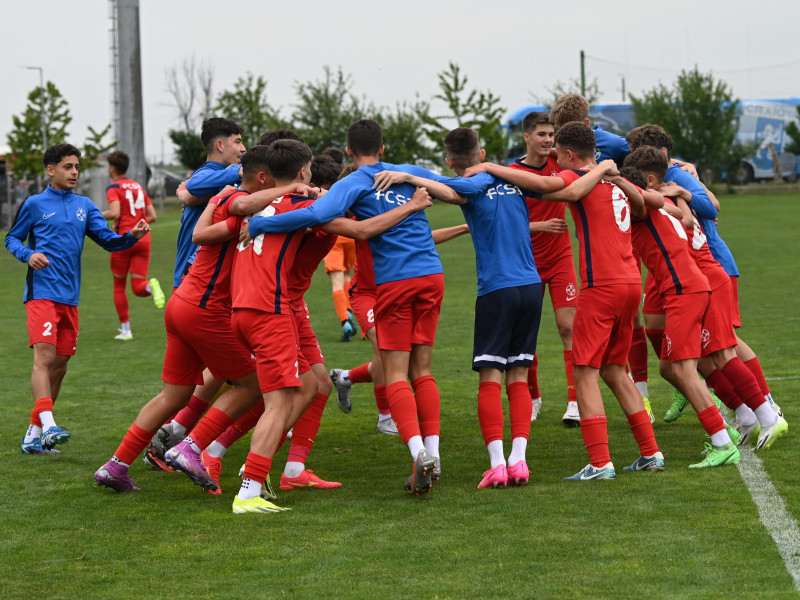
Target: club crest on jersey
597 154
81 214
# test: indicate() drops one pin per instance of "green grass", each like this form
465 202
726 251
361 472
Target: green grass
675 534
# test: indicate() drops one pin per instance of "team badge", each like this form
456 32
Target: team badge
570 291
597 154
705 337
81 214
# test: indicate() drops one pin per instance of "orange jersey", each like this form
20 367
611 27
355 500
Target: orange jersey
133 203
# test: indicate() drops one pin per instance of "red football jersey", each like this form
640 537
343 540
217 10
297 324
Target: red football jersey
208 282
603 222
313 248
364 274
662 243
261 268
698 246
133 201
547 247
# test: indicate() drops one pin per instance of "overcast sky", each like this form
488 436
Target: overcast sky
394 51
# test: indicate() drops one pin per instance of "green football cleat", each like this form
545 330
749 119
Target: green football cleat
649 409
675 411
255 505
718 456
748 433
768 436
735 436
158 294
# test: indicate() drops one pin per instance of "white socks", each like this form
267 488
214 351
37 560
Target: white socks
766 416
496 456
216 449
746 416
293 469
46 417
415 445
125 327
519 446
34 433
249 489
720 438
642 387
432 445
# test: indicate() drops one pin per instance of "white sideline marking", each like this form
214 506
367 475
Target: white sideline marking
783 378
778 522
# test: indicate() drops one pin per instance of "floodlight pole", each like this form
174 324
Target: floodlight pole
583 73
41 103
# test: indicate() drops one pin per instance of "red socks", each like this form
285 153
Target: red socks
380 400
755 367
637 355
139 287
656 337
595 436
120 299
723 389
404 409
519 408
490 411
210 426
711 420
361 374
191 413
642 430
307 426
569 365
257 467
133 443
428 404
533 378
745 383
242 426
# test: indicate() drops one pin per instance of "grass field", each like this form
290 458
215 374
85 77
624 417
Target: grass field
676 534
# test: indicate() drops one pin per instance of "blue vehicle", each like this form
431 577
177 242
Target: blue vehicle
762 122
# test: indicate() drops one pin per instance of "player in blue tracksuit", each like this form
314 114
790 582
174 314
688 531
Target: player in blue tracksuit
223 141
55 224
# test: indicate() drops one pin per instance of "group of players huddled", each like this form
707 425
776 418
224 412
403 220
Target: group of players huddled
256 224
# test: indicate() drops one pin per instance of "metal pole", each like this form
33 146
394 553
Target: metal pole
41 104
583 74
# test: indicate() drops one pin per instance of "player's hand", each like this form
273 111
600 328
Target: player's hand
183 194
244 234
38 261
554 226
386 179
475 169
689 168
421 199
140 229
309 191
227 190
671 189
609 167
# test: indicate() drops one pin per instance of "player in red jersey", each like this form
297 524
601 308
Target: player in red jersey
552 251
199 334
609 297
723 369
128 204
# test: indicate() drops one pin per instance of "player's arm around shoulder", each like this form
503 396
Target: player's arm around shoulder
362 230
524 179
579 187
206 232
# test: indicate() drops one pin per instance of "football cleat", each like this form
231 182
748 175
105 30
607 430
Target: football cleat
348 331
388 427
115 476
421 478
536 406
647 463
162 441
649 409
152 460
589 473
735 436
768 436
749 433
35 447
718 456
158 295
342 390
214 467
495 478
675 411
518 473
54 435
571 418
123 335
256 504
436 474
307 479
183 458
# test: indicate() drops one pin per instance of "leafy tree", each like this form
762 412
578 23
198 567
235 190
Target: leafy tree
571 86
403 134
188 147
701 115
466 108
793 132
25 138
94 146
247 105
326 108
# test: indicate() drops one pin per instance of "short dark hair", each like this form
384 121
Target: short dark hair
463 147
55 154
325 170
634 175
569 108
649 160
120 161
336 154
578 137
285 158
650 135
254 161
347 170
215 128
364 137
273 135
532 119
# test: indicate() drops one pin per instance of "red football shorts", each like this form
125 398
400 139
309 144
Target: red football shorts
342 256
718 332
407 312
53 323
559 276
363 304
653 301
603 327
683 335
199 338
309 345
737 317
134 260
274 341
